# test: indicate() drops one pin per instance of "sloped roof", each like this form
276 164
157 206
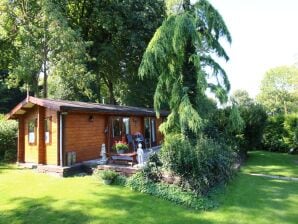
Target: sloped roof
68 106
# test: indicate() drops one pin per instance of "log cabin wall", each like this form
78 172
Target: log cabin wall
136 124
51 146
31 149
84 133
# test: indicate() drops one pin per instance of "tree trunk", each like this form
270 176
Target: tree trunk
111 93
190 80
45 80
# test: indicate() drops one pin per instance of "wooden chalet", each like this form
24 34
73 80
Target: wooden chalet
51 129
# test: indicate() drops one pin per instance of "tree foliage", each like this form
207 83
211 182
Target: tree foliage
44 42
254 116
179 55
279 90
119 32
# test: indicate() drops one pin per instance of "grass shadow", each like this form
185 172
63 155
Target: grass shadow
41 210
259 198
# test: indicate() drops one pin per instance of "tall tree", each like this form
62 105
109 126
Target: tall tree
180 55
45 43
254 116
119 32
279 90
241 98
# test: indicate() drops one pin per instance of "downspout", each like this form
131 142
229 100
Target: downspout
61 140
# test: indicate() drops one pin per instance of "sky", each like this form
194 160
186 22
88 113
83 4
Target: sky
264 35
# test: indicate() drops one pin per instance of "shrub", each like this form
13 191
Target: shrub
120 146
8 139
152 168
106 175
120 180
291 130
255 118
273 137
200 166
139 182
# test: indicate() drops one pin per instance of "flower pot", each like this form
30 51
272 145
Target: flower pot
107 182
120 151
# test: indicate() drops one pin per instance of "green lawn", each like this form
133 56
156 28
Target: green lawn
272 163
28 197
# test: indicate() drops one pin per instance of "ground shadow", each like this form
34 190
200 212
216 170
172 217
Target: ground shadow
40 210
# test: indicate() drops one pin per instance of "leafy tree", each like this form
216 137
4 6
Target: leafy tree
179 55
291 130
44 42
279 90
119 32
254 116
9 97
241 98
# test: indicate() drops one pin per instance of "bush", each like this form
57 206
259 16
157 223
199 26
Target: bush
139 182
106 175
255 118
120 146
200 166
274 133
120 180
152 168
8 140
291 131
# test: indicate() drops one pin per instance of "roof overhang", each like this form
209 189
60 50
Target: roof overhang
23 107
79 107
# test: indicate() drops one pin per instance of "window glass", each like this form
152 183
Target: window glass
147 128
31 131
116 127
48 130
126 125
153 130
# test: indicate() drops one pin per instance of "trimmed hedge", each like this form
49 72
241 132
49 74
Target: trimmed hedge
8 140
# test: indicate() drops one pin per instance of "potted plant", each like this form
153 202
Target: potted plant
108 176
121 147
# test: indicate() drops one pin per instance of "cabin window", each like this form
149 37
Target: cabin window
147 128
48 131
150 130
153 128
126 125
116 127
32 131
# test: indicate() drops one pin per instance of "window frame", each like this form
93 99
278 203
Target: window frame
49 127
34 121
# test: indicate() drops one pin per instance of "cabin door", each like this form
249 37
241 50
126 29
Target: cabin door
150 131
119 129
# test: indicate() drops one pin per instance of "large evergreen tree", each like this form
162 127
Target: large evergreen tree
180 55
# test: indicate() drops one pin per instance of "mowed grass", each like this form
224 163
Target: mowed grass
28 197
271 163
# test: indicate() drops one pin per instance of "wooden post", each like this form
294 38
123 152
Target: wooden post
21 141
41 135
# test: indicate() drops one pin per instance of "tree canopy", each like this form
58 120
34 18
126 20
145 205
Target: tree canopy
279 90
79 50
44 43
